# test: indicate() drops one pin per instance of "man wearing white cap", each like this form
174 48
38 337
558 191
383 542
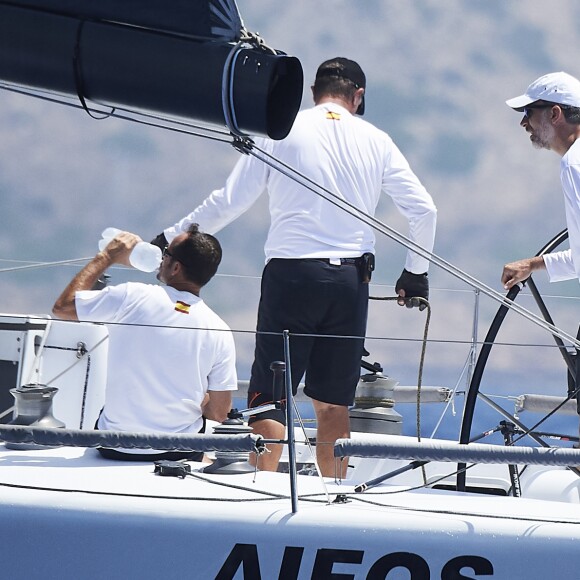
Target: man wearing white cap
551 108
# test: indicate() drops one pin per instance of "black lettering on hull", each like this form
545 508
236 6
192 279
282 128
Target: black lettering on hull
245 556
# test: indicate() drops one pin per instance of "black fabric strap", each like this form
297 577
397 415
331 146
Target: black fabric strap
78 76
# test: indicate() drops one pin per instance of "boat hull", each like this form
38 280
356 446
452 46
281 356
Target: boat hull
67 513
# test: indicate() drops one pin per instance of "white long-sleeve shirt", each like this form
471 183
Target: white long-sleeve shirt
565 265
343 154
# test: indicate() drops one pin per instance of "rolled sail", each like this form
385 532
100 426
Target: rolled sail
187 61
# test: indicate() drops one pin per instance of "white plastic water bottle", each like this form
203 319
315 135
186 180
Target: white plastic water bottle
107 235
144 256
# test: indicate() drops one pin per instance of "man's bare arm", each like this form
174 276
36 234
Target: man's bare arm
116 252
516 272
219 404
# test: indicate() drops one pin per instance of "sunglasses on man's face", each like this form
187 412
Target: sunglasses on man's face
527 111
166 252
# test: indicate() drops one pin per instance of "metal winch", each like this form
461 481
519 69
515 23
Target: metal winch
230 462
33 408
373 406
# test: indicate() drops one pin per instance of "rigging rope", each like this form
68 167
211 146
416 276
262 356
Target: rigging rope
44 264
393 234
247 146
250 148
421 363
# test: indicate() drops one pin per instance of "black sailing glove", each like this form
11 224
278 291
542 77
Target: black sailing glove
160 241
415 286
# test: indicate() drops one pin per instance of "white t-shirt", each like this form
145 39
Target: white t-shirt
343 154
166 350
565 265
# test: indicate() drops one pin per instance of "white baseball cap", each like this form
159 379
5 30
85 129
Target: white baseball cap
558 87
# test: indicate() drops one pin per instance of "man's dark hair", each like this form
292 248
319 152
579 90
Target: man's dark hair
200 254
571 114
333 87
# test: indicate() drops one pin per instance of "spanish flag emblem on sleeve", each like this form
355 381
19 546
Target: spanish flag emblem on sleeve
182 307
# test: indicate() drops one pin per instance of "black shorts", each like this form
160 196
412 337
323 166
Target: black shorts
310 298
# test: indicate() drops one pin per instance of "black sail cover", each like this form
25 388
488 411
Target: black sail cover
174 57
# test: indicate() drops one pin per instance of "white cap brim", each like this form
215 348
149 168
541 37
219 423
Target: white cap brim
520 102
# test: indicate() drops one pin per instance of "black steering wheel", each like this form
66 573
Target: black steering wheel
473 390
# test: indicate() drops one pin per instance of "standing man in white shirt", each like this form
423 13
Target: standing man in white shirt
551 108
318 257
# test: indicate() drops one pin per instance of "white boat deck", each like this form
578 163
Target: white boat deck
68 513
